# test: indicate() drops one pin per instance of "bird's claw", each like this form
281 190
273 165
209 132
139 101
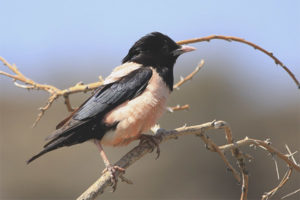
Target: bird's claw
151 140
113 177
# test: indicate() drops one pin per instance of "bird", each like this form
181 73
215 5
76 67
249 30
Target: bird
128 103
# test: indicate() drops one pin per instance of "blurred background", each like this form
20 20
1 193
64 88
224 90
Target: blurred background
64 42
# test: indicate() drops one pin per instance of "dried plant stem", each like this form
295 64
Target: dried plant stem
241 40
285 178
290 194
53 91
178 107
163 135
190 76
266 146
79 87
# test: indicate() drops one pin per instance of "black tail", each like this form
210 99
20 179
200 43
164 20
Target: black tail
71 138
37 156
52 145
45 150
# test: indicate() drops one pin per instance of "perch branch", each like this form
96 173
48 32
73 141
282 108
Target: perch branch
163 135
241 40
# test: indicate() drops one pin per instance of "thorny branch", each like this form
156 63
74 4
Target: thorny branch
285 178
53 91
80 87
241 40
162 135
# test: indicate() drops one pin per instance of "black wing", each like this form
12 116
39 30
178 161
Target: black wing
85 122
114 94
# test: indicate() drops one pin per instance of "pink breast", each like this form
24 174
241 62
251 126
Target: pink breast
137 116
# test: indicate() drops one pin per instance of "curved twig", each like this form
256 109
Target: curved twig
80 87
241 40
190 76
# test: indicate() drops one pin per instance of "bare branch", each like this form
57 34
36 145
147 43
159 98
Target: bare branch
79 87
163 135
56 93
138 152
285 178
241 40
239 156
213 147
276 167
53 91
244 193
290 194
266 146
190 76
291 154
178 107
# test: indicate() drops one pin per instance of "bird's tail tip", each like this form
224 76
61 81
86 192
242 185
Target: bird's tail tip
36 156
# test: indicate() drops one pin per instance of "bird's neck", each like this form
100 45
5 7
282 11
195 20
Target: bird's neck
163 66
167 75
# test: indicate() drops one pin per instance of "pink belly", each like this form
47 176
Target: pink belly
137 116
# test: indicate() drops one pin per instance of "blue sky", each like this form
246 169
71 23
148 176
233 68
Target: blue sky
47 37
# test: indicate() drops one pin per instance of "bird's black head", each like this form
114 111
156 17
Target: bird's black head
158 51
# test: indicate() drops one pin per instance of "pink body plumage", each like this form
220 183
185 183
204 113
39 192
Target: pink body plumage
138 115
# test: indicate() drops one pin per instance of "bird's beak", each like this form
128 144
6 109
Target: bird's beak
183 49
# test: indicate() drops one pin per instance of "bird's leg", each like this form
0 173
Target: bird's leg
151 140
108 167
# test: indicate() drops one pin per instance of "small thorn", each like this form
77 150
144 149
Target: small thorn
170 109
268 141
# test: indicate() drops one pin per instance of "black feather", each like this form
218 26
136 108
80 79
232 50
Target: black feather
155 50
86 122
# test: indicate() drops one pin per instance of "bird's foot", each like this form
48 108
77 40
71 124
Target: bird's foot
151 140
113 177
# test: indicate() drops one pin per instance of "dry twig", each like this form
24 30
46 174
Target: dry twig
53 91
241 40
163 135
285 178
290 194
79 87
178 107
190 76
